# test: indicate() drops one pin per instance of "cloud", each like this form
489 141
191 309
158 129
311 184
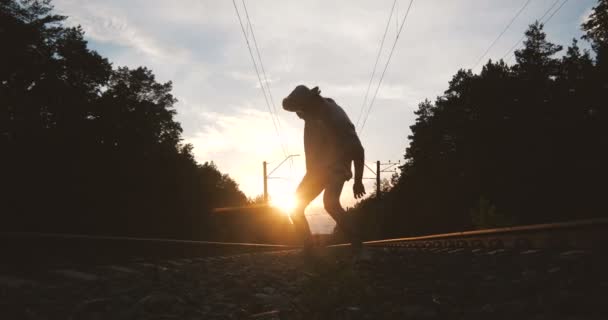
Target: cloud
249 137
106 24
247 130
198 44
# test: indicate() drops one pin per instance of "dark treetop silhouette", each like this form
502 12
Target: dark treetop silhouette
91 149
517 144
85 147
331 145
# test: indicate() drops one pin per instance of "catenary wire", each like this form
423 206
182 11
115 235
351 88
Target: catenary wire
554 12
501 33
255 44
369 85
284 144
371 105
518 42
257 71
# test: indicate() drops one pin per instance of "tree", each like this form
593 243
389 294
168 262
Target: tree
536 58
519 143
596 31
576 65
596 27
91 149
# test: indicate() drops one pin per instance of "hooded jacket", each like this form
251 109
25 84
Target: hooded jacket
330 140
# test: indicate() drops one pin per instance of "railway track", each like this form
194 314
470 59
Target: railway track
582 234
556 269
24 247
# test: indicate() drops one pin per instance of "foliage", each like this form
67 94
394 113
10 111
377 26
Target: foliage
485 216
259 199
522 143
90 148
596 27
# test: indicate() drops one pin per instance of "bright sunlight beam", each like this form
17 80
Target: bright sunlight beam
285 203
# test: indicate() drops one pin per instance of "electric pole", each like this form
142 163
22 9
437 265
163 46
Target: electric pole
390 167
265 184
378 179
267 175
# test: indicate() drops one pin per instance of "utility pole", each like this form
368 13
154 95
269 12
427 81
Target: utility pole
378 179
265 184
267 175
390 167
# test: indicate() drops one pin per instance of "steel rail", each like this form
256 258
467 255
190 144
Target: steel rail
32 248
573 234
118 238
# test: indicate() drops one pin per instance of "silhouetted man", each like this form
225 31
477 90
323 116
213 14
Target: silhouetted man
331 144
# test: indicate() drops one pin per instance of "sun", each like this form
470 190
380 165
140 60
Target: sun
285 203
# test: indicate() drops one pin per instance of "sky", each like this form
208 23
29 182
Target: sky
199 46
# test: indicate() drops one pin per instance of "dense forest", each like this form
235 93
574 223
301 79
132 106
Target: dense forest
89 148
515 144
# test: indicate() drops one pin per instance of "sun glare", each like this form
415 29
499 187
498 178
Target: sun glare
286 203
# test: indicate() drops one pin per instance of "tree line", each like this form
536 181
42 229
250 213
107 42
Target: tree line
89 148
513 144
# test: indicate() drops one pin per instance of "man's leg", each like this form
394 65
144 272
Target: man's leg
331 201
307 191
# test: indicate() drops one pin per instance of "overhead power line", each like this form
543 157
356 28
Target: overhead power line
257 71
257 50
390 55
554 12
519 42
283 142
501 33
369 85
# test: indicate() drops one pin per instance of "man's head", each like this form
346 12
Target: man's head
302 100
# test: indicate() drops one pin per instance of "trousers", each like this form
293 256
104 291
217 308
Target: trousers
309 188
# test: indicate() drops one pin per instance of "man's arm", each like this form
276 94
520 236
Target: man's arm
359 161
346 133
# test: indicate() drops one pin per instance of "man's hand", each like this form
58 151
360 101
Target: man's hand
358 189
